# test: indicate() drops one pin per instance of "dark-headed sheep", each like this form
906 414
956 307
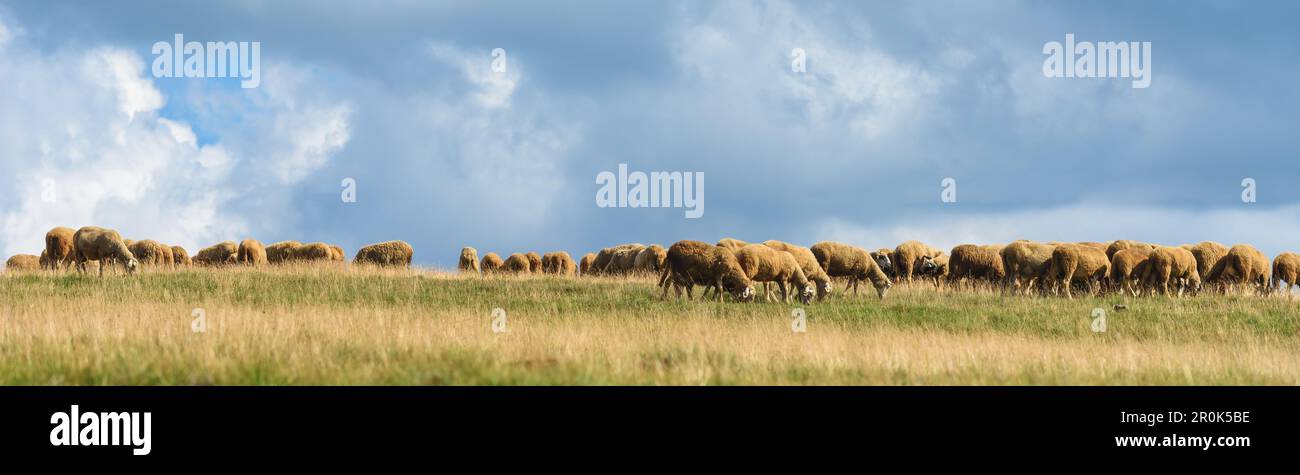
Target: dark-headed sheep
692 263
907 258
935 269
468 261
93 243
765 264
59 248
388 253
843 260
1074 263
884 260
251 253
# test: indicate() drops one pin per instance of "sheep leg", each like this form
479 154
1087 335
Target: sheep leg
785 297
1066 281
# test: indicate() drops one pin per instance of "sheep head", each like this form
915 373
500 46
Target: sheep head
883 288
882 260
824 289
806 295
928 265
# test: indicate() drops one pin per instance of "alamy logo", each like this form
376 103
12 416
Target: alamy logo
653 190
214 59
102 428
1108 59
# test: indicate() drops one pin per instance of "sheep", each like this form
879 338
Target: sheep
1171 263
808 263
765 264
313 252
1286 269
907 258
387 253
44 260
281 252
559 263
622 261
1207 255
731 244
976 263
58 248
91 243
1101 246
651 259
935 269
1123 244
586 263
337 254
843 260
1244 265
1024 263
693 263
468 262
23 263
491 263
151 253
1073 263
251 253
882 258
517 264
218 255
180 257
1127 267
606 255
534 262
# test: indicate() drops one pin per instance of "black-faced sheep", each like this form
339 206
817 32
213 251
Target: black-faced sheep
468 262
1075 263
808 263
180 258
558 263
1286 269
251 253
59 248
692 263
1243 265
651 259
151 253
1168 264
92 243
843 260
884 260
1025 262
765 264
491 263
282 252
907 258
1125 265
388 254
935 269
218 255
976 263
23 263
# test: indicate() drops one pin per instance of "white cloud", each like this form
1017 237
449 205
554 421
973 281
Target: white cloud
82 127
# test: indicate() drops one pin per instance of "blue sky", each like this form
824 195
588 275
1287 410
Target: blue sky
446 152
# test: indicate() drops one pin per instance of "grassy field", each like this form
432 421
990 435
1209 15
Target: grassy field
354 326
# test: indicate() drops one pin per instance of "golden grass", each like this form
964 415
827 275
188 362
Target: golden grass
335 324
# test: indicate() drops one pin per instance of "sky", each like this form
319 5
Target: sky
446 151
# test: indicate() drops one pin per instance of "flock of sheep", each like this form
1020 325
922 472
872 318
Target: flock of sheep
102 247
1022 267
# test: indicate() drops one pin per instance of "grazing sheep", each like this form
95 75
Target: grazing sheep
882 257
23 263
731 244
606 256
251 253
585 265
1075 263
765 264
558 263
180 257
387 253
468 261
1124 268
517 264
92 243
1286 269
218 255
1171 264
281 252
151 253
44 260
692 263
843 260
808 263
622 261
1025 262
1123 244
977 263
1242 265
492 263
312 252
1101 246
59 248
651 259
534 262
907 258
934 269
1208 253
337 254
